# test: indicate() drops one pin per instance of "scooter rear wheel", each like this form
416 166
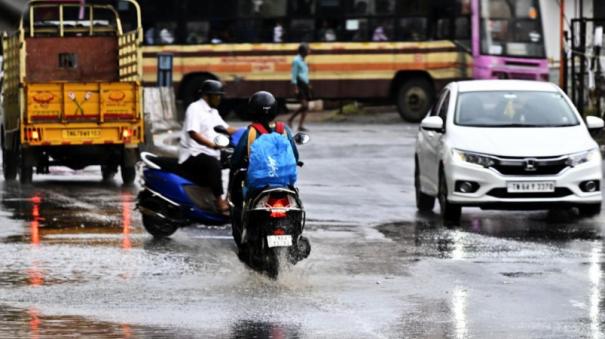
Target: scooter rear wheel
157 227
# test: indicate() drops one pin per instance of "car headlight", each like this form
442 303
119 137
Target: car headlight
473 158
582 157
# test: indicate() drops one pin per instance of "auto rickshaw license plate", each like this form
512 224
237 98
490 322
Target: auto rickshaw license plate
81 133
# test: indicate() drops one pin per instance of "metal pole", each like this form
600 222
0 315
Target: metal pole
582 75
562 61
574 94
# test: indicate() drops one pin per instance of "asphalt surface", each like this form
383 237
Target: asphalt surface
76 260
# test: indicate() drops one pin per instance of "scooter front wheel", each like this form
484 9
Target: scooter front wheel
158 227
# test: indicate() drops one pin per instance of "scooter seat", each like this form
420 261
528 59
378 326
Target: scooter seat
168 164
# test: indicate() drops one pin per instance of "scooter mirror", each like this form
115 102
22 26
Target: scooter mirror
221 141
301 138
221 129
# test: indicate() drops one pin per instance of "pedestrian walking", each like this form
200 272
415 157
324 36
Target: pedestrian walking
302 87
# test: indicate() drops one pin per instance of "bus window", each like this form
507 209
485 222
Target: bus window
511 28
329 8
302 7
463 31
356 29
413 8
412 29
249 30
166 32
197 32
301 30
382 29
384 7
370 7
221 31
327 31
265 8
442 30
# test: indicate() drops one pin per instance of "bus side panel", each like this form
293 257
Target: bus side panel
337 70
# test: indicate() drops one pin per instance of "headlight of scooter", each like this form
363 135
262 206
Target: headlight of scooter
583 157
473 158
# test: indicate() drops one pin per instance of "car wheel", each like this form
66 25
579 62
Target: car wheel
589 210
424 202
450 213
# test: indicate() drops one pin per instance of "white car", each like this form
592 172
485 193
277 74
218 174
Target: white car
506 144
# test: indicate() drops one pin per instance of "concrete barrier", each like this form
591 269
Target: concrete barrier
159 105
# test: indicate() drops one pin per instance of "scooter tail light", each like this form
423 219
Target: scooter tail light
278 206
279 231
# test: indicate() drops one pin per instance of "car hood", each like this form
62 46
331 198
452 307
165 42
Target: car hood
522 142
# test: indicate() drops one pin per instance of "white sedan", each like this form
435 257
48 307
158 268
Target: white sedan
506 144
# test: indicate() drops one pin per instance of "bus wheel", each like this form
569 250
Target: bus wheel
414 98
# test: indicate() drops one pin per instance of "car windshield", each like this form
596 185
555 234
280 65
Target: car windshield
514 109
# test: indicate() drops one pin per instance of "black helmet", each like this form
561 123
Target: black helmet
262 106
211 87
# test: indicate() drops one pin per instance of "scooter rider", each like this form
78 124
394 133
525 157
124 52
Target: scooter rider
263 109
199 156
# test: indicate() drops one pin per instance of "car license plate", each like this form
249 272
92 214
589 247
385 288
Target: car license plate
530 187
81 133
279 240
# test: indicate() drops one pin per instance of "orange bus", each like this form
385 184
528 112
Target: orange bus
400 50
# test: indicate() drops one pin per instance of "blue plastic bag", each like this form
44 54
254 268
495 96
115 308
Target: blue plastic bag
271 162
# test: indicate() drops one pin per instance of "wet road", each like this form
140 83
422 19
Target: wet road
76 260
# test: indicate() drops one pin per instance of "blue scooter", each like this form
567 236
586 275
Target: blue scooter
169 200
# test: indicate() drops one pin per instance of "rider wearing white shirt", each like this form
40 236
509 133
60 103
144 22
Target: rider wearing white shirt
201 118
199 156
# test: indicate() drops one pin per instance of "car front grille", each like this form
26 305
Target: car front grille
559 192
530 166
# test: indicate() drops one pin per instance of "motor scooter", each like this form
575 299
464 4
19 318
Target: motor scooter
169 200
268 223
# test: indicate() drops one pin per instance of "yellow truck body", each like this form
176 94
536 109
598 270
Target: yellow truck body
72 91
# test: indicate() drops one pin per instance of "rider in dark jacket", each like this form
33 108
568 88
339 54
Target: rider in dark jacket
263 109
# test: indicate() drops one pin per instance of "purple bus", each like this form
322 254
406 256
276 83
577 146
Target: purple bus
508 40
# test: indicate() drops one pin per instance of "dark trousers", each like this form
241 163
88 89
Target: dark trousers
205 171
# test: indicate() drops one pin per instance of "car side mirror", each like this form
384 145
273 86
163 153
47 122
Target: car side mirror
594 124
301 138
433 123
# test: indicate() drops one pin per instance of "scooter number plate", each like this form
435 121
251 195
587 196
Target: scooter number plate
279 240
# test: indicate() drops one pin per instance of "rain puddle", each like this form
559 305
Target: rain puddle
31 323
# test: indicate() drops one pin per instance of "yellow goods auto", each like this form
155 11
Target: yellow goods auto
72 91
